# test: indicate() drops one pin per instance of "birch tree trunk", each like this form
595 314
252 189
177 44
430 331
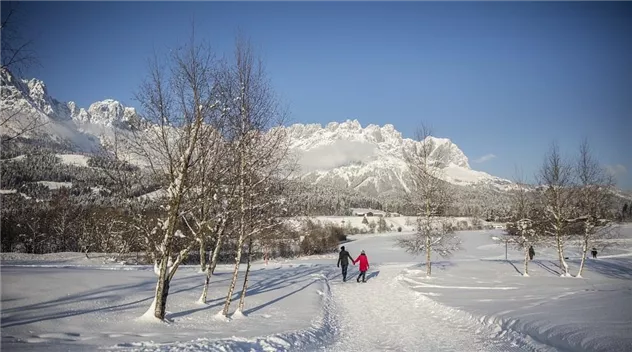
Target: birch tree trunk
428 262
218 248
210 267
242 215
233 282
164 281
207 281
428 232
526 261
202 254
162 289
242 299
584 250
560 252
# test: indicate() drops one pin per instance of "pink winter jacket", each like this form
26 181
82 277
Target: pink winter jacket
364 262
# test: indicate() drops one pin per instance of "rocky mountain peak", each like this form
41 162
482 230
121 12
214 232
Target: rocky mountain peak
31 96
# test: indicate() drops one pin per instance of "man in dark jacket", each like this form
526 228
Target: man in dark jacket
343 259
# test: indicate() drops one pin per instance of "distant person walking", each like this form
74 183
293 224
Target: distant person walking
594 253
364 266
343 259
531 252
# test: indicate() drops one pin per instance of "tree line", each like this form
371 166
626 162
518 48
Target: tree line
573 202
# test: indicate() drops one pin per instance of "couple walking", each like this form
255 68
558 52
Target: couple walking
343 259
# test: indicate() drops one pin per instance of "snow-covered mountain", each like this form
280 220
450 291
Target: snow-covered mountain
371 159
31 96
28 103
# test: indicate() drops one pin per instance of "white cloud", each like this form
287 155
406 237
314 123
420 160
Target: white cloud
484 158
337 154
617 170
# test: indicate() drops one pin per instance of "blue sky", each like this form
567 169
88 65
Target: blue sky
497 78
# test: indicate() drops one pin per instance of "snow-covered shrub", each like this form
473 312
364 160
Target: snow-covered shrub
477 224
320 239
372 226
351 230
336 231
381 225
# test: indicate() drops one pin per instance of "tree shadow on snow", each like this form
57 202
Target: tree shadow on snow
551 269
511 262
39 312
280 298
62 307
441 265
514 266
611 269
297 276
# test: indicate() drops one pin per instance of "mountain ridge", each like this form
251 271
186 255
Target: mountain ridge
344 154
372 159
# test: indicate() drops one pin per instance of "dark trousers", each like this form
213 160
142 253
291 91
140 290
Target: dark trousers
344 272
362 275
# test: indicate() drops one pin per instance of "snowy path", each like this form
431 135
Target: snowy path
383 315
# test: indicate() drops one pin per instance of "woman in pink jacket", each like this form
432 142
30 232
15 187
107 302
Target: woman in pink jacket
364 266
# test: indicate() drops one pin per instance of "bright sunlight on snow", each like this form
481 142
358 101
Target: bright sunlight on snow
475 301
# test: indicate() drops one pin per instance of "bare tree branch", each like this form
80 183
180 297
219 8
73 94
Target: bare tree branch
430 197
556 176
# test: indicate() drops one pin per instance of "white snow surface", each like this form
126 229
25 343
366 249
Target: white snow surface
55 185
74 159
475 301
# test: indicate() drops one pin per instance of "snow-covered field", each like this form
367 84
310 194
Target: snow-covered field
55 185
475 301
407 223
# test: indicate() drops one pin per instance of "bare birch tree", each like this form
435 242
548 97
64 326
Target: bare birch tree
179 100
258 154
214 194
265 204
594 202
556 176
429 195
522 229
